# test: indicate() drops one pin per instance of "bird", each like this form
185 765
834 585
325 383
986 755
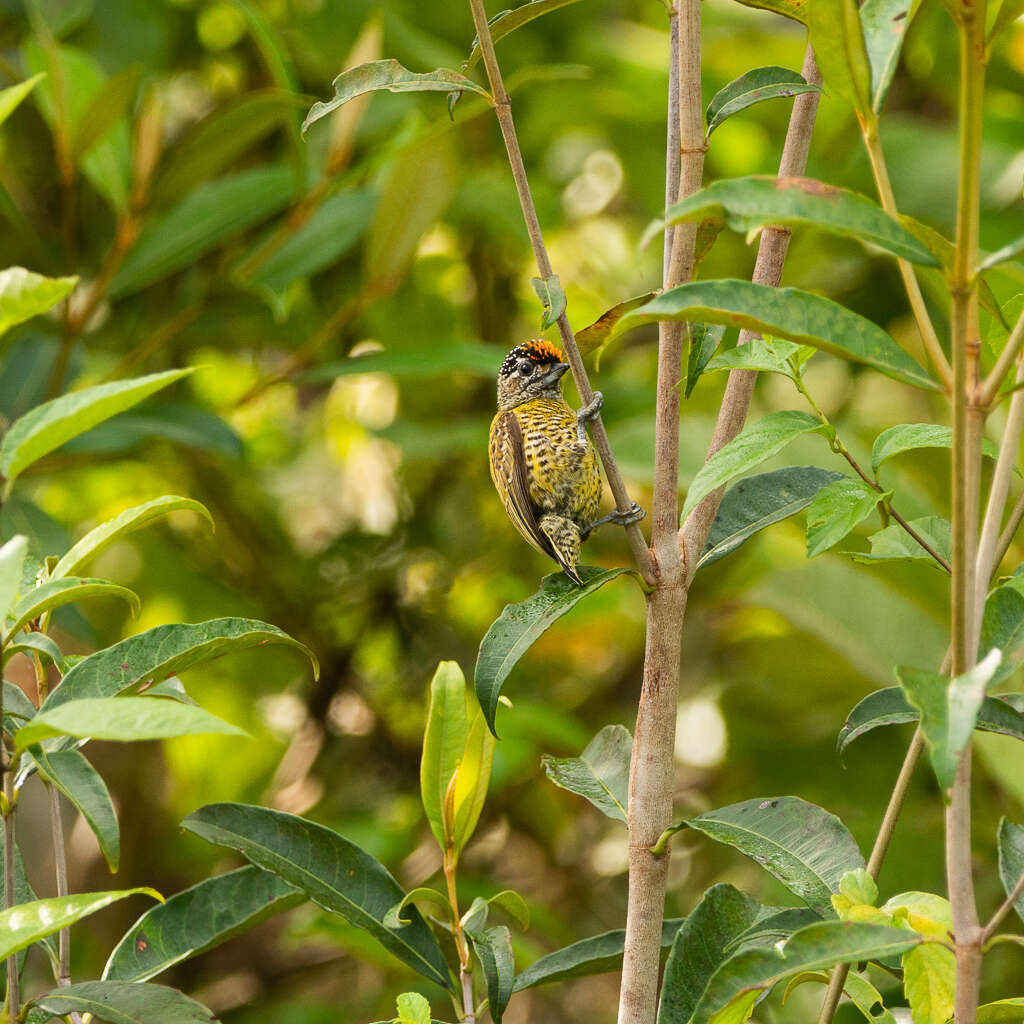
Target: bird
542 462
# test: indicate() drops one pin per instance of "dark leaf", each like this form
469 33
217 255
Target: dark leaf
754 87
600 774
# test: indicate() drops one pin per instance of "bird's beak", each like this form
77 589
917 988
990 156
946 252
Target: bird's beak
555 374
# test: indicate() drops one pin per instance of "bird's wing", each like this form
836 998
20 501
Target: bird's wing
508 470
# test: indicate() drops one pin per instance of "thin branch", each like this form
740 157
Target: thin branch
1007 905
1009 531
503 110
771 255
61 869
933 347
994 381
13 996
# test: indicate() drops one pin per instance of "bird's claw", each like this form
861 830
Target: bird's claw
588 412
632 515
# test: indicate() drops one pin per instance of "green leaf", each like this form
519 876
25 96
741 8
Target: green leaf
213 144
909 436
1002 1011
754 202
164 651
600 774
72 774
773 927
1009 251
594 337
807 849
11 97
552 298
413 1009
49 425
125 1002
18 709
755 86
389 75
443 743
949 710
1011 859
723 914
512 904
835 32
867 999
758 501
23 894
1009 12
768 355
55 593
394 919
131 519
784 313
24 295
36 643
122 718
894 542
12 561
208 216
885 24
104 112
472 777
738 982
929 979
29 922
796 10
335 873
1002 626
752 446
1002 714
836 511
493 949
198 919
704 342
507 22
600 954
332 230
512 634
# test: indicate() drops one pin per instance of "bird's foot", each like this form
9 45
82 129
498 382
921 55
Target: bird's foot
632 515
584 415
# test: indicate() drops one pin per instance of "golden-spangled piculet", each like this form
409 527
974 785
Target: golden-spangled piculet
542 462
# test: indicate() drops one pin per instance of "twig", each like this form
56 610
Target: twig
503 110
61 868
1007 905
771 255
13 997
1009 531
994 381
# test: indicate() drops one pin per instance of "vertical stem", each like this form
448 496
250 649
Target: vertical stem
465 973
968 419
61 866
13 997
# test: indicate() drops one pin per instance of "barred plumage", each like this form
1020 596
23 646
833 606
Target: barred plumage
543 466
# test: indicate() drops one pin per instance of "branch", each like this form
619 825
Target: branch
1009 531
503 110
771 255
1011 350
1004 909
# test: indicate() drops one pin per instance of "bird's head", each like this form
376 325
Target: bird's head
531 370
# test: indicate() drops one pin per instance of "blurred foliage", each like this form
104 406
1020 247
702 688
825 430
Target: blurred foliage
161 160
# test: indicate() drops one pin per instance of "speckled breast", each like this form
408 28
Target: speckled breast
561 478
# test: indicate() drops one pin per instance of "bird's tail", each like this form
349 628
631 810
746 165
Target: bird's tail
565 539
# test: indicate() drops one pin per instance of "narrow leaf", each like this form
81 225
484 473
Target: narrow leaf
836 511
198 919
894 542
600 774
600 954
751 203
36 643
29 922
773 927
394 918
389 75
1011 860
18 709
1009 251
740 979
591 338
885 24
752 446
72 774
784 313
807 849
1009 12
910 436
472 777
24 295
766 355
164 651
128 521
699 949
12 560
104 111
704 342
552 298
11 97
123 1002
1002 714
758 501
443 743
493 949
49 425
754 87
55 593
507 22
835 32
335 873
949 710
512 634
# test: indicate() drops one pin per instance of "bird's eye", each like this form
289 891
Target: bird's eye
525 367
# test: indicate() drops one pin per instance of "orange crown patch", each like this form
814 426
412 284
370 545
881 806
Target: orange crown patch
540 351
